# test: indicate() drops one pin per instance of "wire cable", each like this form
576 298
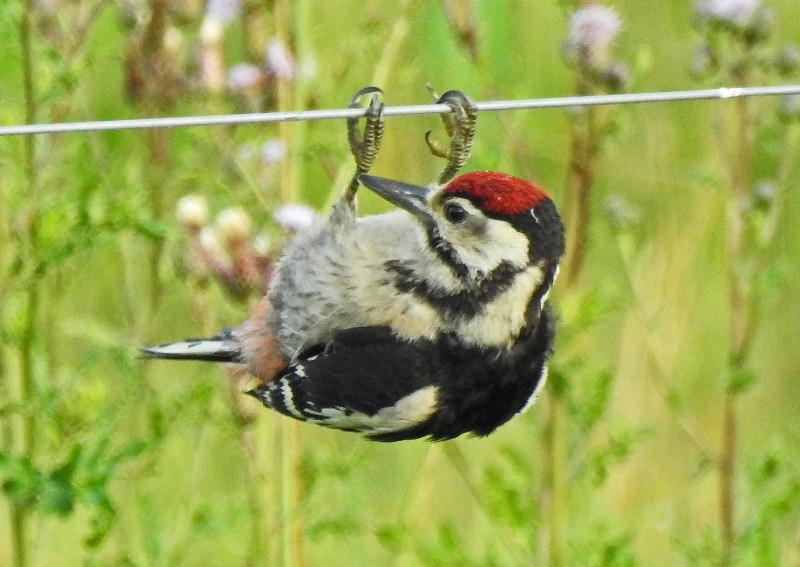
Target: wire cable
407 110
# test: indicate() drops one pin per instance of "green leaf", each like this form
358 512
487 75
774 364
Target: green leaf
740 381
22 481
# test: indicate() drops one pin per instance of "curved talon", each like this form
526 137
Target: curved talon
460 127
364 146
435 147
355 99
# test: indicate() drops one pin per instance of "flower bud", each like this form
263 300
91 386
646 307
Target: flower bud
762 26
209 242
621 214
191 212
763 194
617 77
702 62
788 60
261 246
233 225
789 109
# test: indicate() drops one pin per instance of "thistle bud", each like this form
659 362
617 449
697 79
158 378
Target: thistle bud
209 243
789 109
233 225
592 31
617 77
763 194
261 246
702 62
191 212
621 214
788 60
762 26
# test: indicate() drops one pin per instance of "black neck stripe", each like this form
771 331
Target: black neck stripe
466 302
446 253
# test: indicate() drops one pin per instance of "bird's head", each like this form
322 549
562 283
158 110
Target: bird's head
481 220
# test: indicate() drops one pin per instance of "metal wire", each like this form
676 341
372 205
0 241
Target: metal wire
490 105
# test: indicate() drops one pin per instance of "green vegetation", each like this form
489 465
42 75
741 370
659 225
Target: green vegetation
668 433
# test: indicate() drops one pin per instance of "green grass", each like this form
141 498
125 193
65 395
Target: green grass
113 460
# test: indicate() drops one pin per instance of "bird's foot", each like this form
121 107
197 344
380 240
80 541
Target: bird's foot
364 145
460 127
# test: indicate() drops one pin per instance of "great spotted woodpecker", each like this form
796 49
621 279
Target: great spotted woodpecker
427 321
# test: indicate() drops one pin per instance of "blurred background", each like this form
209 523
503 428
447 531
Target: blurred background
668 433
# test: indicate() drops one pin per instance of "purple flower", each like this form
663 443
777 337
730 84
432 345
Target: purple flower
243 76
295 217
278 59
223 10
593 28
273 151
738 13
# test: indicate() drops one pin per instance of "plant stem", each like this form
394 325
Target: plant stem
553 496
727 469
20 511
288 191
292 526
740 321
158 139
580 177
583 154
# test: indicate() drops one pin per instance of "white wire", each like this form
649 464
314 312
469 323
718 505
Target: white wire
490 105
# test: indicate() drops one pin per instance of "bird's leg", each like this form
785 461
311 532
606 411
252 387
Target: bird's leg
364 145
460 127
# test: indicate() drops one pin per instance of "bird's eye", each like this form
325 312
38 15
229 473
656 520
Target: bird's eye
455 213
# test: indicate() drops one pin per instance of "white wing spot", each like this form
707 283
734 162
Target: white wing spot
407 412
288 399
300 371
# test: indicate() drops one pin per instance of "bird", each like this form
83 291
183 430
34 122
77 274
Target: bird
428 321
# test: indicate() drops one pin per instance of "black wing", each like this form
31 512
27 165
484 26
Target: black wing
364 380
368 380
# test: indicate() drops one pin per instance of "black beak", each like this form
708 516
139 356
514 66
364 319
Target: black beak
412 198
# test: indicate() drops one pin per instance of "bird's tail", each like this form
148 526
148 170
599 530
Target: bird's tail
225 347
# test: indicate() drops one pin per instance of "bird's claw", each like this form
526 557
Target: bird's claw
365 145
460 127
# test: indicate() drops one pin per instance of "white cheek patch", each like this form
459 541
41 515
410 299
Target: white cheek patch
407 412
484 251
